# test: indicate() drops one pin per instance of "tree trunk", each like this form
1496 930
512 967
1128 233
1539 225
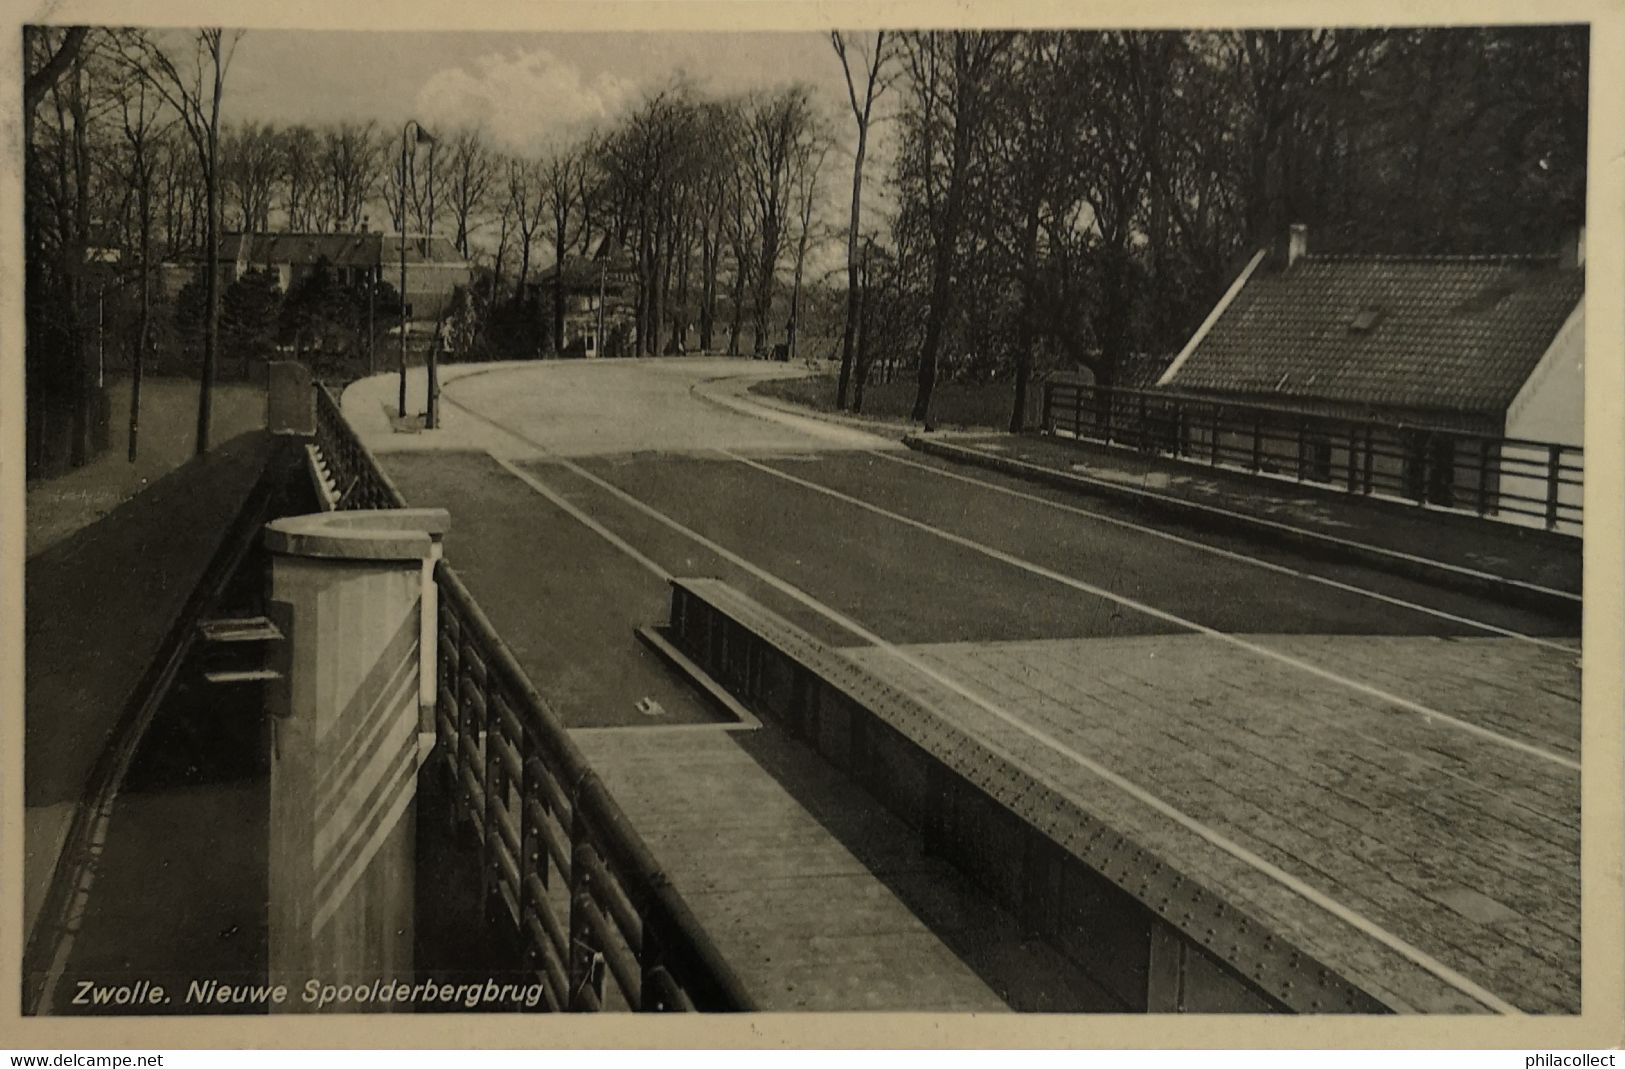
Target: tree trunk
852 297
524 269
736 321
794 329
861 358
941 292
943 259
709 244
1025 326
761 308
211 238
143 330
558 292
80 420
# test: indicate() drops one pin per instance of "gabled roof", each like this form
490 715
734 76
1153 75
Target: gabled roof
584 274
420 250
341 250
1460 334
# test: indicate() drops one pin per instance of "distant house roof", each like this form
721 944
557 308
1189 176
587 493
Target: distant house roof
340 250
610 265
421 250
1458 334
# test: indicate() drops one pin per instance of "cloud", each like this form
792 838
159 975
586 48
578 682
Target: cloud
525 99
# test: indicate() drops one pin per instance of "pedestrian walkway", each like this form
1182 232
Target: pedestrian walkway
1517 555
57 507
1444 863
816 896
101 606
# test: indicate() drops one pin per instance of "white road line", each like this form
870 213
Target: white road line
1229 554
1304 890
1428 714
578 515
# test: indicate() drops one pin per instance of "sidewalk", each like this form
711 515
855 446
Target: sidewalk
1516 561
60 506
101 605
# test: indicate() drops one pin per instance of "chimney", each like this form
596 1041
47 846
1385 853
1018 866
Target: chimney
1572 253
1297 243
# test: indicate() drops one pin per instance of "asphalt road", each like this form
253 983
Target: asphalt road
679 476
1070 627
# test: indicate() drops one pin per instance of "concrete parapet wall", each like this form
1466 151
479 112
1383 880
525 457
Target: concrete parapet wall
1004 829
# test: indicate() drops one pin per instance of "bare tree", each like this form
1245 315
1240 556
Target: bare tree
141 122
951 73
807 164
251 166
301 177
350 161
180 193
560 176
739 226
874 59
529 205
776 126
193 87
470 170
718 151
57 62
57 220
505 230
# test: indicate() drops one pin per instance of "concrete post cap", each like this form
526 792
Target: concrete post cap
360 534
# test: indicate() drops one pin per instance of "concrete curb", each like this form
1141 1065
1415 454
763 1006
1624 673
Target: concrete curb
1454 576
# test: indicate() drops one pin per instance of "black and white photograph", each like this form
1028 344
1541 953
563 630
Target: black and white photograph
1085 521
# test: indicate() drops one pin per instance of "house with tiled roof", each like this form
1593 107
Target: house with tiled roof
1480 344
434 268
600 313
1451 354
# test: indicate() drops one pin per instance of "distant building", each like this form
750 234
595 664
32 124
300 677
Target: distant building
1490 346
600 311
434 268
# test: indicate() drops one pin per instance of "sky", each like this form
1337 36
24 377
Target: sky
528 90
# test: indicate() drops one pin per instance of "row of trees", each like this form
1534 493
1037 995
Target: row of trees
109 116
713 202
1052 199
1069 199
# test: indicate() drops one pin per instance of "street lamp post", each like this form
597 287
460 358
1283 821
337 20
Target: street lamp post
431 417
423 138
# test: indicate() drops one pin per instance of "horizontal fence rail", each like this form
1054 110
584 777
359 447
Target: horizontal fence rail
602 926
1537 484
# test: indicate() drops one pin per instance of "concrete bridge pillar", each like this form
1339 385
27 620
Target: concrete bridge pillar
353 593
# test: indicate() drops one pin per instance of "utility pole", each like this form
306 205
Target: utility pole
432 411
423 138
373 272
600 339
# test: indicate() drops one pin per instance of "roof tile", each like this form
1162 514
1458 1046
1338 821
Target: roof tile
1460 334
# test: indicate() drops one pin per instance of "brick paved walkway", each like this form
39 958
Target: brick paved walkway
1459 846
817 896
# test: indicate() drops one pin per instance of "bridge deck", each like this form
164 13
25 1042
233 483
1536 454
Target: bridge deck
1429 788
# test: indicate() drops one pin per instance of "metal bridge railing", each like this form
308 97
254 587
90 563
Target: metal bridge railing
1533 483
602 926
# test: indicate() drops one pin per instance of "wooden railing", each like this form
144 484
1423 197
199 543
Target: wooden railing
1527 482
601 924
